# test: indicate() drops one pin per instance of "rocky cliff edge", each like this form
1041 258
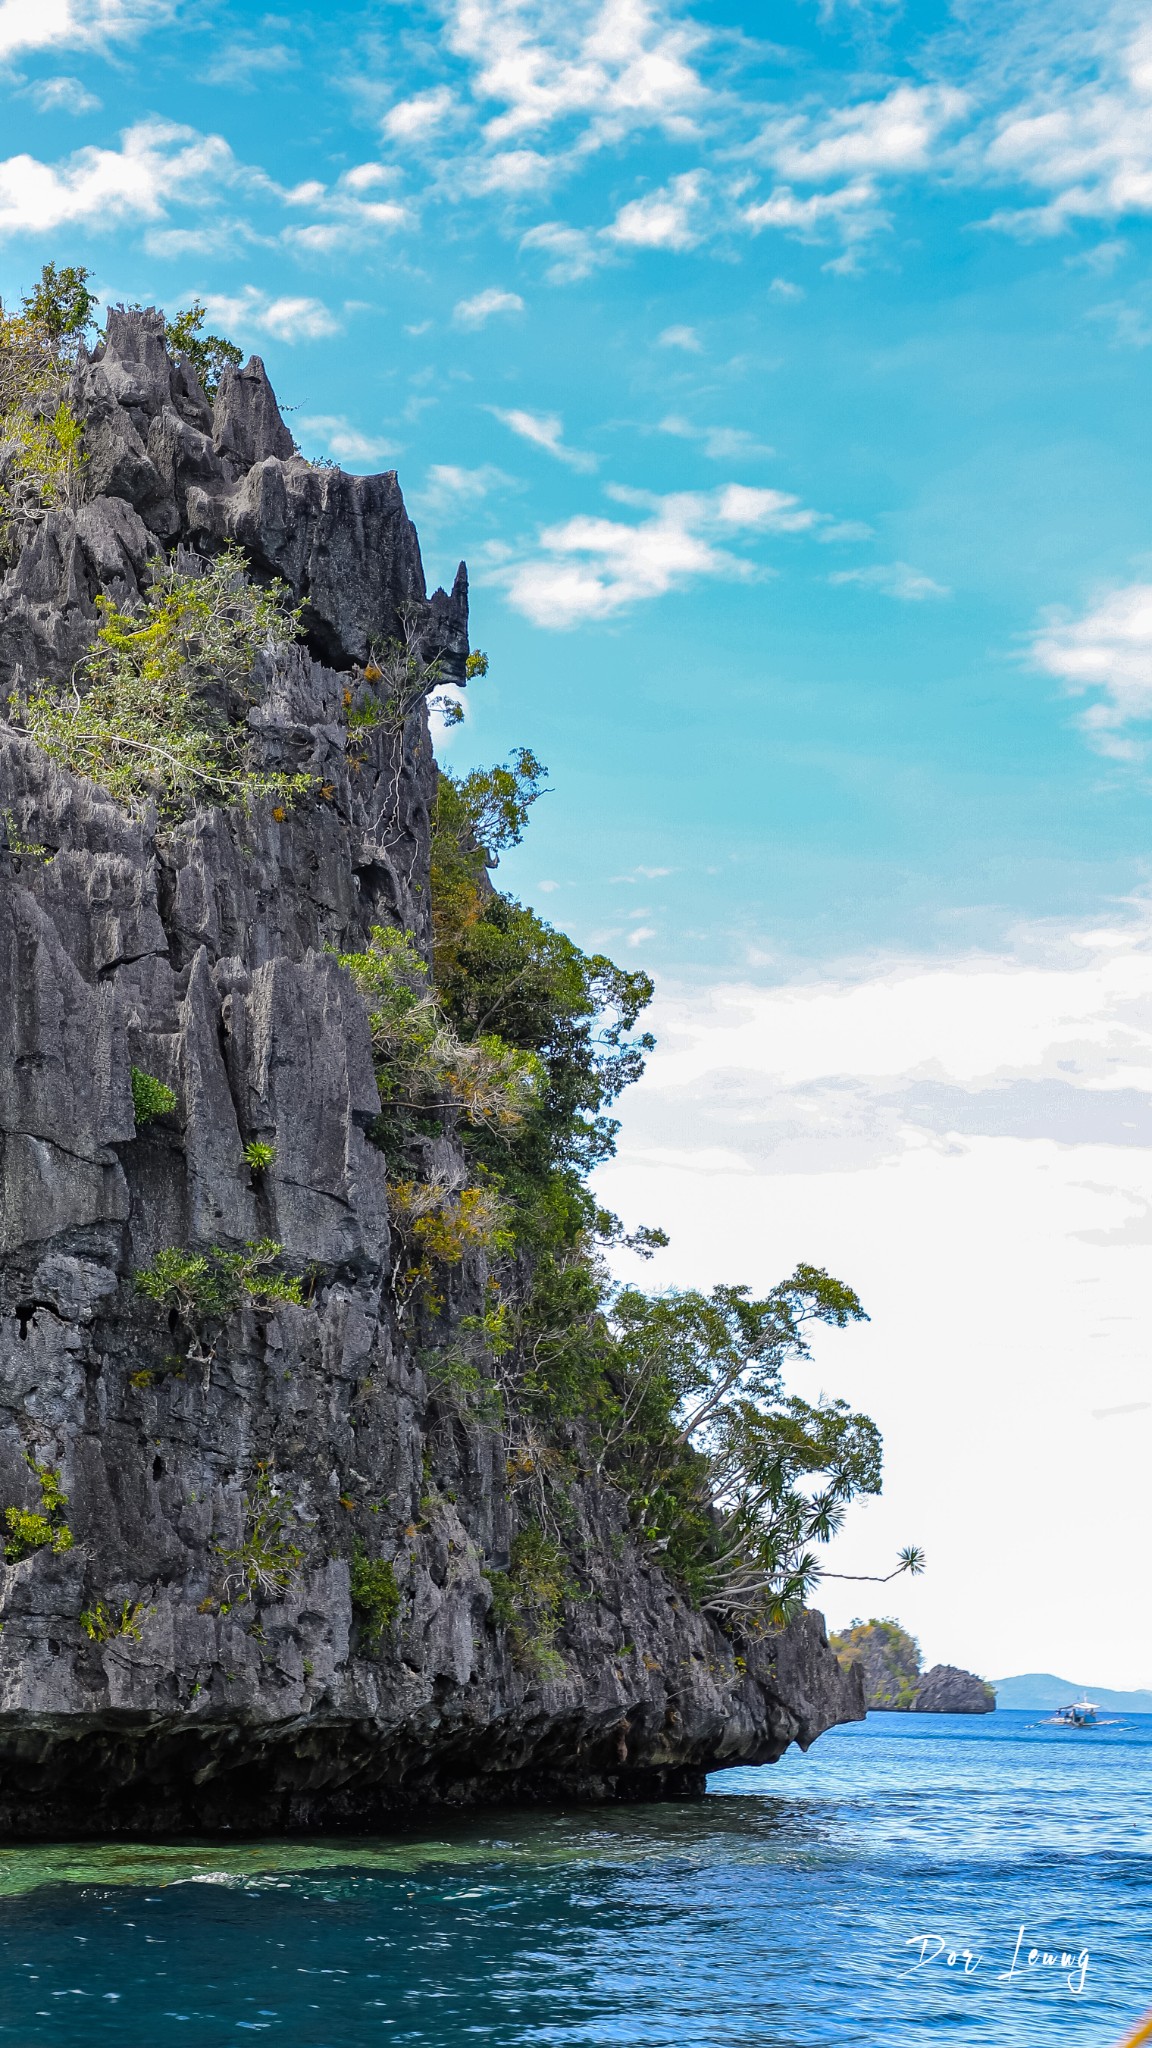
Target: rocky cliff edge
203 954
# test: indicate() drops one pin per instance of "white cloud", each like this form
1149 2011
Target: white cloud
642 933
1084 141
671 218
853 210
413 119
874 1119
286 318
607 67
668 219
477 311
544 430
686 338
348 219
448 489
244 61
890 135
720 444
892 579
593 568
75 24
158 163
573 252
1108 650
345 441
161 166
513 171
63 96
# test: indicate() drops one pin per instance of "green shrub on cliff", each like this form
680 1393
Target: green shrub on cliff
267 1559
423 1065
46 1528
159 711
45 460
214 1284
150 1098
375 1593
209 354
528 1600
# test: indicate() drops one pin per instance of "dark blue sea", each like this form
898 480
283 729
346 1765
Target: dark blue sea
914 1879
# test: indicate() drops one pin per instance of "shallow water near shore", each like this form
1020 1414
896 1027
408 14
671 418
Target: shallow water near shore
814 1901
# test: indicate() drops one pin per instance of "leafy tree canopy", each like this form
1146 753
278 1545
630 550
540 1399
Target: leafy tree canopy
60 304
209 354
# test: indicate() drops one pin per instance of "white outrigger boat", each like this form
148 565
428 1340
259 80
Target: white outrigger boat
1081 1714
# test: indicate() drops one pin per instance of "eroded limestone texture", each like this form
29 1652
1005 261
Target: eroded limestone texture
204 955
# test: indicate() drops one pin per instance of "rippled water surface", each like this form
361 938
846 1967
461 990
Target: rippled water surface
791 1906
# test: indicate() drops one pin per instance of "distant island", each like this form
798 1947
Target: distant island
1044 1689
889 1662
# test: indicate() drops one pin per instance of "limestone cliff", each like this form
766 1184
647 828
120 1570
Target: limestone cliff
203 952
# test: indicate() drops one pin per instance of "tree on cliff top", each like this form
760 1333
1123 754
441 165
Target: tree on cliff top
209 354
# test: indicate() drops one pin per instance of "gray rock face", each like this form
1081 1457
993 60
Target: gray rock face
948 1690
203 954
162 466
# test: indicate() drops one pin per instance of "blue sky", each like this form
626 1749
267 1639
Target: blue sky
783 376
778 371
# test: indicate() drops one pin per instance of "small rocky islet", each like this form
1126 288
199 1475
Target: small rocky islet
888 1661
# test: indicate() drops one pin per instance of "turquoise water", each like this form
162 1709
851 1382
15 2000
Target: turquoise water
788 1907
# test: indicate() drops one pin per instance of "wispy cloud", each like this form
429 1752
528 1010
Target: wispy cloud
853 210
1131 327
346 442
685 338
593 568
244 61
477 311
1083 140
286 318
63 96
891 135
1107 651
348 213
719 444
572 253
891 579
544 430
447 489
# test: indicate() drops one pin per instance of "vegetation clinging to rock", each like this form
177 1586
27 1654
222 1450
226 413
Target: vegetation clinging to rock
209 354
214 1284
150 1098
158 710
41 440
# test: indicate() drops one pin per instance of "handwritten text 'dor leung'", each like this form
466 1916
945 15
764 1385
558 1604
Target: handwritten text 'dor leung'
1069 1964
